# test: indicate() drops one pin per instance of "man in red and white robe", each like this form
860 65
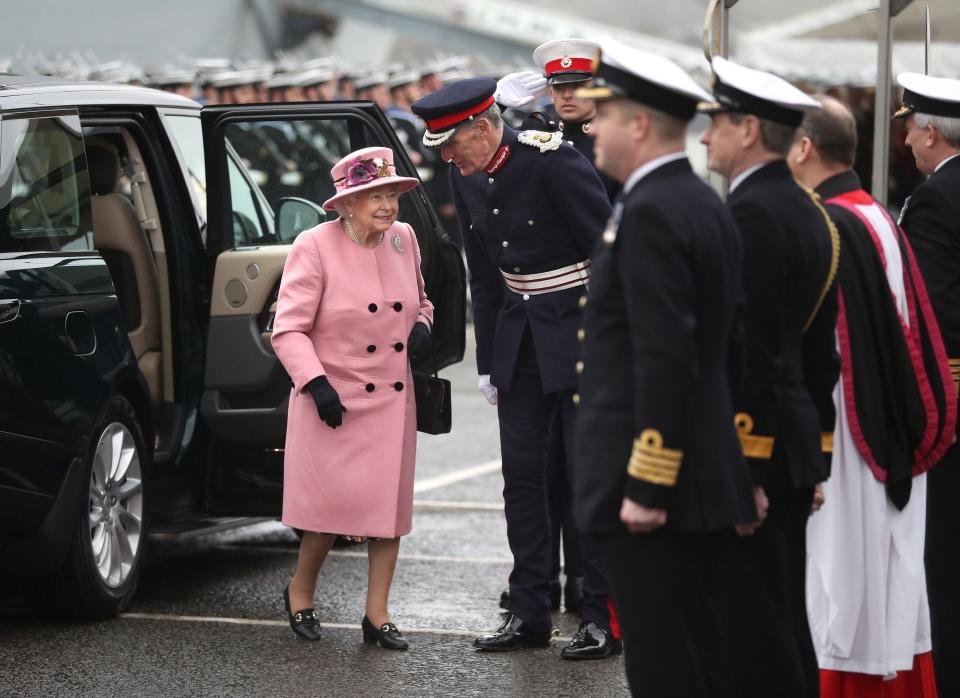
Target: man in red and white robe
896 415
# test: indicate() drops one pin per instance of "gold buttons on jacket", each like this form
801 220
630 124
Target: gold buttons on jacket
579 367
582 302
581 334
576 398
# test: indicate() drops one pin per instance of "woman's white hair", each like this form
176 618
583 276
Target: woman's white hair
949 127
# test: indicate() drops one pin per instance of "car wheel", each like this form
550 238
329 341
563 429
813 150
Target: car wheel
100 575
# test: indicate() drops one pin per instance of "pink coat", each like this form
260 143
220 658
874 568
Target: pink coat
346 311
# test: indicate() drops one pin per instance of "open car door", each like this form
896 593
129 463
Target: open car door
268 173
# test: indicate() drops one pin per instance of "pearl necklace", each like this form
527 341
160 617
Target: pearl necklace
353 236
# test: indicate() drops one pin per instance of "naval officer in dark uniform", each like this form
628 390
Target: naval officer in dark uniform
931 221
659 476
531 209
567 67
784 404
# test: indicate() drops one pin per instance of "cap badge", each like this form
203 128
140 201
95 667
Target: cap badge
565 62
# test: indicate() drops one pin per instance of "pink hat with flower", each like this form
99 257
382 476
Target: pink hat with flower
365 169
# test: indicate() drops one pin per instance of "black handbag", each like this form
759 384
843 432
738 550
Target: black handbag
434 411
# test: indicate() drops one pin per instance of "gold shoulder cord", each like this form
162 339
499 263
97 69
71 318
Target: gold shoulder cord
834 256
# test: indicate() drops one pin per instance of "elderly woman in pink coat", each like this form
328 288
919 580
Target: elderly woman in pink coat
351 310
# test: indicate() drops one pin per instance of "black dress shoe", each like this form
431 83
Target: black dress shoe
305 622
572 594
387 635
513 634
554 597
591 642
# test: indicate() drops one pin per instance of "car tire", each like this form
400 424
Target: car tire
100 574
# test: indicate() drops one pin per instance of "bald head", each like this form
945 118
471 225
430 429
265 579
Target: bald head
833 132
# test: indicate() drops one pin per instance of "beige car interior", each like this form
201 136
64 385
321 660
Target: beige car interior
127 233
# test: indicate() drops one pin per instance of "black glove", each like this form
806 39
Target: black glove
418 343
328 402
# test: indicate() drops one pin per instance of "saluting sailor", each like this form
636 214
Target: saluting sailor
931 221
784 403
567 66
659 476
531 209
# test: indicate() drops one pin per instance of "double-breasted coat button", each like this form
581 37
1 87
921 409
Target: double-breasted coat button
370 387
398 386
398 346
581 334
526 296
371 348
582 302
505 243
398 306
372 307
576 398
579 367
496 211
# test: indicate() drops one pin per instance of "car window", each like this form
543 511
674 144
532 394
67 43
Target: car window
188 133
248 228
44 187
293 158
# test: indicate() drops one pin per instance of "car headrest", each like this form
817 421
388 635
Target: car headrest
103 162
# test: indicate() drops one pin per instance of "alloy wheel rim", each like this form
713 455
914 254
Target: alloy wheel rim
116 505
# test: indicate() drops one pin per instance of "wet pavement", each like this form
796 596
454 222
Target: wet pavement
208 616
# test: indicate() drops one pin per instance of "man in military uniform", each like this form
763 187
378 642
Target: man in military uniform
931 221
567 65
659 477
531 209
784 402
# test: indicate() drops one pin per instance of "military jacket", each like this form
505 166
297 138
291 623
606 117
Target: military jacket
790 365
528 212
931 221
655 421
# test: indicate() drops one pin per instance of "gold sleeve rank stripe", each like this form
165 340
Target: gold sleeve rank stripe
753 445
653 463
826 442
955 372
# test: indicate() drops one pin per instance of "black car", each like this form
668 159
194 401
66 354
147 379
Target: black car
142 239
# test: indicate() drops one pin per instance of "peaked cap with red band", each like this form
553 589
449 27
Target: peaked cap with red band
566 60
452 105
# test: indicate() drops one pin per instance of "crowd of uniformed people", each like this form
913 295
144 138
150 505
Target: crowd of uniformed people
724 412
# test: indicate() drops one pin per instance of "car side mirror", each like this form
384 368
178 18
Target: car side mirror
294 215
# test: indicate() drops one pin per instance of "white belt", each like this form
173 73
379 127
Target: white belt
548 281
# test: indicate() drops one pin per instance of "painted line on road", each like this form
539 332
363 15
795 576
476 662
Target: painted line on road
456 506
434 483
283 623
415 557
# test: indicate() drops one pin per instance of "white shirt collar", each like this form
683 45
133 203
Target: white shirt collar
648 167
945 161
738 180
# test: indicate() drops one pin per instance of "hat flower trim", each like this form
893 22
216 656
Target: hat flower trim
363 170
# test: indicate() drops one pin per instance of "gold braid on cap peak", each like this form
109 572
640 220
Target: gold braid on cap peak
653 463
753 446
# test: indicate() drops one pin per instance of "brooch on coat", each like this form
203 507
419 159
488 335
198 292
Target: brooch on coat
541 139
396 243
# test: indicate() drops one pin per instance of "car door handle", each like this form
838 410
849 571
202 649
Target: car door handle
9 309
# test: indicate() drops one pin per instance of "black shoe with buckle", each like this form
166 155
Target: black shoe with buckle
305 622
513 634
591 642
387 635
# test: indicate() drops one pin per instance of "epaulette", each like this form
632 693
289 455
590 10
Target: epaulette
541 139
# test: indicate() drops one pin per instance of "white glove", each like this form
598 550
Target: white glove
489 391
519 89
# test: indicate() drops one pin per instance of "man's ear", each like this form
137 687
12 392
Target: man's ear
641 125
749 130
805 151
933 136
482 126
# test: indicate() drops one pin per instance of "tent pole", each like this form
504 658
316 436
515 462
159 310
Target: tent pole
881 123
